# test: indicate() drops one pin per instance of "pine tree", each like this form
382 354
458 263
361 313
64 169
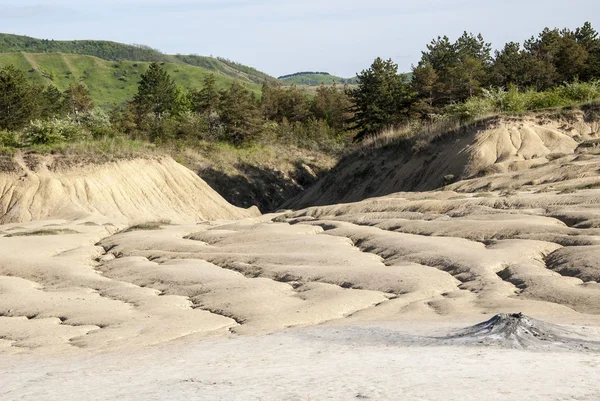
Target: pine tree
588 37
18 105
77 100
379 98
52 102
206 100
157 93
333 106
427 88
239 113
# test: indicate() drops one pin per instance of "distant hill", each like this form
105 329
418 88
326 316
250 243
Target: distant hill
310 78
110 81
113 51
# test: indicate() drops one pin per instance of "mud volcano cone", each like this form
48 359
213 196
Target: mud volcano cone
516 330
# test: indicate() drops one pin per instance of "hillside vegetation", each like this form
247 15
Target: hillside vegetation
109 82
315 79
455 83
113 51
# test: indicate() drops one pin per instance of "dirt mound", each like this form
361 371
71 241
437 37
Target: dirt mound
499 145
516 330
137 190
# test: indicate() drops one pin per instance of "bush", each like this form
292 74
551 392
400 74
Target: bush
580 91
53 131
8 139
192 126
98 123
544 100
473 108
514 101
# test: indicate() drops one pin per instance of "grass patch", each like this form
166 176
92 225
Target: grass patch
58 231
148 226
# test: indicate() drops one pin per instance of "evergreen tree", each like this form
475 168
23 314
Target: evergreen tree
239 113
473 61
295 106
427 89
271 101
289 104
18 105
52 102
333 106
157 93
379 99
206 100
509 66
589 39
77 100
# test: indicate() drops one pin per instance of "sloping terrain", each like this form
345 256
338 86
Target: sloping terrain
102 273
315 79
109 82
113 51
137 190
500 145
422 256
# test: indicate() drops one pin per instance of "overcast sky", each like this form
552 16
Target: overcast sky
281 37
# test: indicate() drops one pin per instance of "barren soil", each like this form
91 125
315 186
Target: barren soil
137 281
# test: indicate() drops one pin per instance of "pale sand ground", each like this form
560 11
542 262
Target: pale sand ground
186 311
324 363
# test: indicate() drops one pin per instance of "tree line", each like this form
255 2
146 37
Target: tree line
163 112
102 49
451 73
450 77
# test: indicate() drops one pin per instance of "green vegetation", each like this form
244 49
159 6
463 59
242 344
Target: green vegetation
148 226
50 101
315 79
513 101
112 51
108 82
58 231
163 113
558 68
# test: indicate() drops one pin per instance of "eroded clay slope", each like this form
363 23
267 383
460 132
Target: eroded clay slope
136 190
408 256
493 146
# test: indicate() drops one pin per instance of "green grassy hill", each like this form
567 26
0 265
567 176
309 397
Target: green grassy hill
318 78
315 79
113 51
108 81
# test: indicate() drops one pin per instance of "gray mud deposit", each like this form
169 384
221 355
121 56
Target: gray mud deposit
519 331
507 331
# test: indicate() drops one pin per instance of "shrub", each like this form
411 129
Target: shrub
98 123
543 100
53 131
580 91
192 126
514 101
473 108
8 139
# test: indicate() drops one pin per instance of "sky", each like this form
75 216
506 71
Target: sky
279 37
